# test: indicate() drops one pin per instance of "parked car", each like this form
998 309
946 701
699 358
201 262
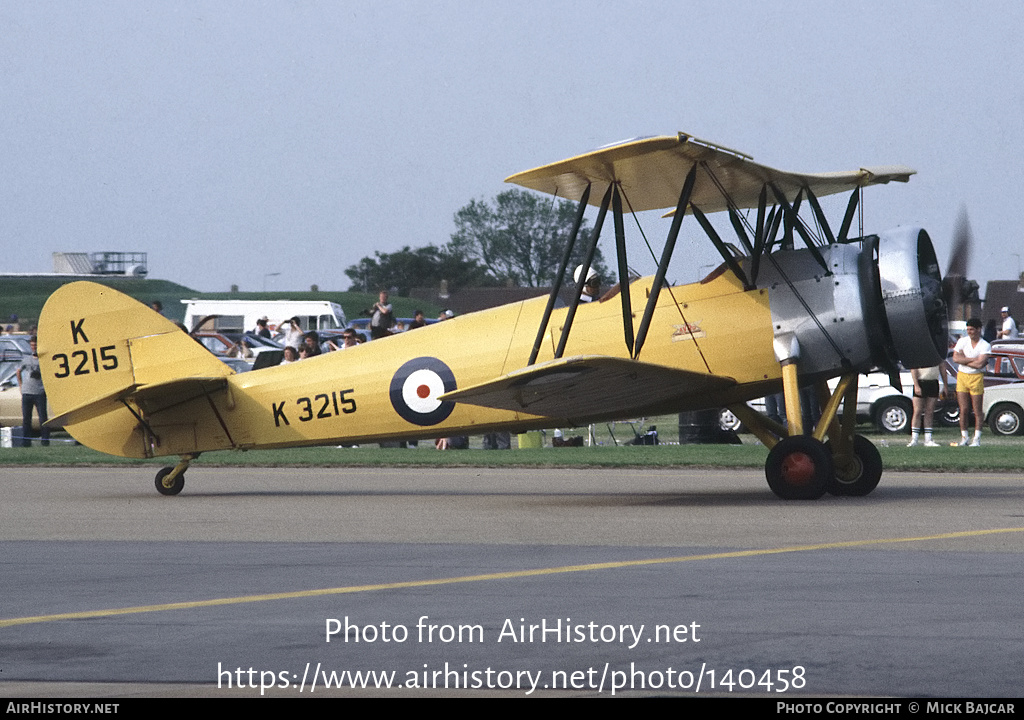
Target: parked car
878 402
220 344
10 393
1003 407
10 397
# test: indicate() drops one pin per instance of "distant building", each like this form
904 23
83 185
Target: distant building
1004 293
132 264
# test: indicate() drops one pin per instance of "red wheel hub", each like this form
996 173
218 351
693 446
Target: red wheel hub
798 468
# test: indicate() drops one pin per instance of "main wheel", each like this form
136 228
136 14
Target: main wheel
798 468
165 488
1006 419
860 474
892 414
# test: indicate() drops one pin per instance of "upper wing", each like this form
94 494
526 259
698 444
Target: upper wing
589 386
651 172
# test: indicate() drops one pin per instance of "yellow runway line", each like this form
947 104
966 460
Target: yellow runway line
512 574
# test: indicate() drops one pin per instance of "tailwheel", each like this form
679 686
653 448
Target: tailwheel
858 474
799 468
169 486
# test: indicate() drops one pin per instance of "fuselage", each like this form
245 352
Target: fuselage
712 327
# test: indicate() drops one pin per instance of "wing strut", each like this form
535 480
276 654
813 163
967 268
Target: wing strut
759 236
773 223
666 256
820 215
722 248
605 202
851 208
793 223
556 286
620 251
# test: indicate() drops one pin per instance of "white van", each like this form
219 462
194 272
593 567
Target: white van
241 315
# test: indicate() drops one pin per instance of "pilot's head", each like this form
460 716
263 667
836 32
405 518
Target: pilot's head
592 288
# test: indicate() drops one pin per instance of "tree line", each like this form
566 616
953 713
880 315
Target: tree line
517 239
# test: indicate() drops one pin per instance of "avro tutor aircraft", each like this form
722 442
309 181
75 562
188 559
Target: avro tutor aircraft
793 304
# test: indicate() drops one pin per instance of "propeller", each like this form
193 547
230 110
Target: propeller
957 290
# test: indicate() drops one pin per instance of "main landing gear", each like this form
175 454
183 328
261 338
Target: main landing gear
805 467
170 480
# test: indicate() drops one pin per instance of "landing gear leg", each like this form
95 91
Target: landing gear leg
856 462
170 480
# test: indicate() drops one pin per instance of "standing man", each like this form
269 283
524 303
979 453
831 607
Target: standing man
30 380
926 392
1009 329
383 317
971 355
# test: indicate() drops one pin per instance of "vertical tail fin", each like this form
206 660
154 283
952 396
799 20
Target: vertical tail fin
100 351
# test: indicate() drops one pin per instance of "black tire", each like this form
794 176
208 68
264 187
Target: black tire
893 414
174 488
949 414
799 468
861 476
1006 419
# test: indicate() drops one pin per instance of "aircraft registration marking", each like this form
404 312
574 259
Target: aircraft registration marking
320 407
81 357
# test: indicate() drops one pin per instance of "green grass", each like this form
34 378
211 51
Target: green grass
996 454
25 296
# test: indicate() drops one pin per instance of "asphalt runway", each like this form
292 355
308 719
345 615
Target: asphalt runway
631 582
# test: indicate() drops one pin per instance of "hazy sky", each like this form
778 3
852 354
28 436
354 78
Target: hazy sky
230 140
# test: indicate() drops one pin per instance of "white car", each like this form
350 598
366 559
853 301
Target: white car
877 402
1003 407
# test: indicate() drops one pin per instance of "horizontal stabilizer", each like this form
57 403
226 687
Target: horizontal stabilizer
588 386
150 398
92 408
651 172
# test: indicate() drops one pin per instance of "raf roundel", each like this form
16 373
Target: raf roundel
415 390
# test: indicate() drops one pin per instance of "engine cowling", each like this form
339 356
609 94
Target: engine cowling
879 303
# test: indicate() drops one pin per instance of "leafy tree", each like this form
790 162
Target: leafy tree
520 238
403 270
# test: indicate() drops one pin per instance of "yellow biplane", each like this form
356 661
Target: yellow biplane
792 305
